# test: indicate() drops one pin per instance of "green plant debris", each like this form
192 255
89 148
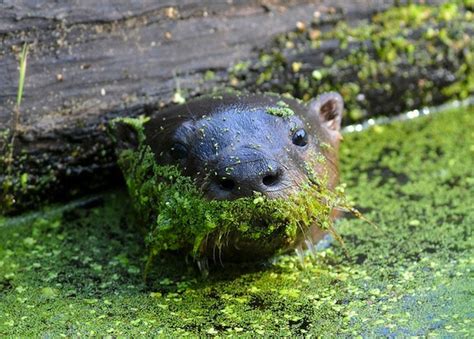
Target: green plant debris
282 110
404 58
78 271
180 218
21 79
10 186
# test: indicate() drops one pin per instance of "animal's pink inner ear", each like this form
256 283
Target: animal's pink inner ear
328 107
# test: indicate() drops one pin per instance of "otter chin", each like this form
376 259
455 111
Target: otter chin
236 176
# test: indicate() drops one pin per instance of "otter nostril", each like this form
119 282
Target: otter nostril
227 184
271 179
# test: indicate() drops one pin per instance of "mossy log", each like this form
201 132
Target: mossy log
88 64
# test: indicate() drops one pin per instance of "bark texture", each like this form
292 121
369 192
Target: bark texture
90 61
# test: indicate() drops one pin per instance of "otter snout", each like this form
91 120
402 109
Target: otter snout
238 177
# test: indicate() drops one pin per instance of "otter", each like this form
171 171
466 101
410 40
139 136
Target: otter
235 145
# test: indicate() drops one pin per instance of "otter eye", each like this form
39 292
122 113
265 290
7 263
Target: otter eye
178 151
300 138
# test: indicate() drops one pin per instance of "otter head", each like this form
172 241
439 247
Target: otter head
236 145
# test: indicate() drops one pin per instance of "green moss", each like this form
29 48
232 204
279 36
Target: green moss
178 217
77 270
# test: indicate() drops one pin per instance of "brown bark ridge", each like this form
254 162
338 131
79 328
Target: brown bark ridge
90 61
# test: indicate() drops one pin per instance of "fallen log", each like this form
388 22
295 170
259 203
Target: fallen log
90 63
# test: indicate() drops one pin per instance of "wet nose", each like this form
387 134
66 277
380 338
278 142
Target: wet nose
254 176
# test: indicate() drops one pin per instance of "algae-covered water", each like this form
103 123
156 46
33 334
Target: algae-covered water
77 269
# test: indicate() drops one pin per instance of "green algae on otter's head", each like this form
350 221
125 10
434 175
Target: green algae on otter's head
283 110
178 217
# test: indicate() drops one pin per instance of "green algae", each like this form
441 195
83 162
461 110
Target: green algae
282 110
178 217
77 271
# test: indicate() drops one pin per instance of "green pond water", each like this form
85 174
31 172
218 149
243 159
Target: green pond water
78 269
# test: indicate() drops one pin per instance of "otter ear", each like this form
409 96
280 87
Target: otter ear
328 108
124 135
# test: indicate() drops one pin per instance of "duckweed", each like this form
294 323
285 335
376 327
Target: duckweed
77 270
282 110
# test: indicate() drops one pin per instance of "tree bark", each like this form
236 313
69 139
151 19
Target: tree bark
91 61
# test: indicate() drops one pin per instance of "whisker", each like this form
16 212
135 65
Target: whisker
300 253
214 253
302 230
190 114
311 247
220 256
